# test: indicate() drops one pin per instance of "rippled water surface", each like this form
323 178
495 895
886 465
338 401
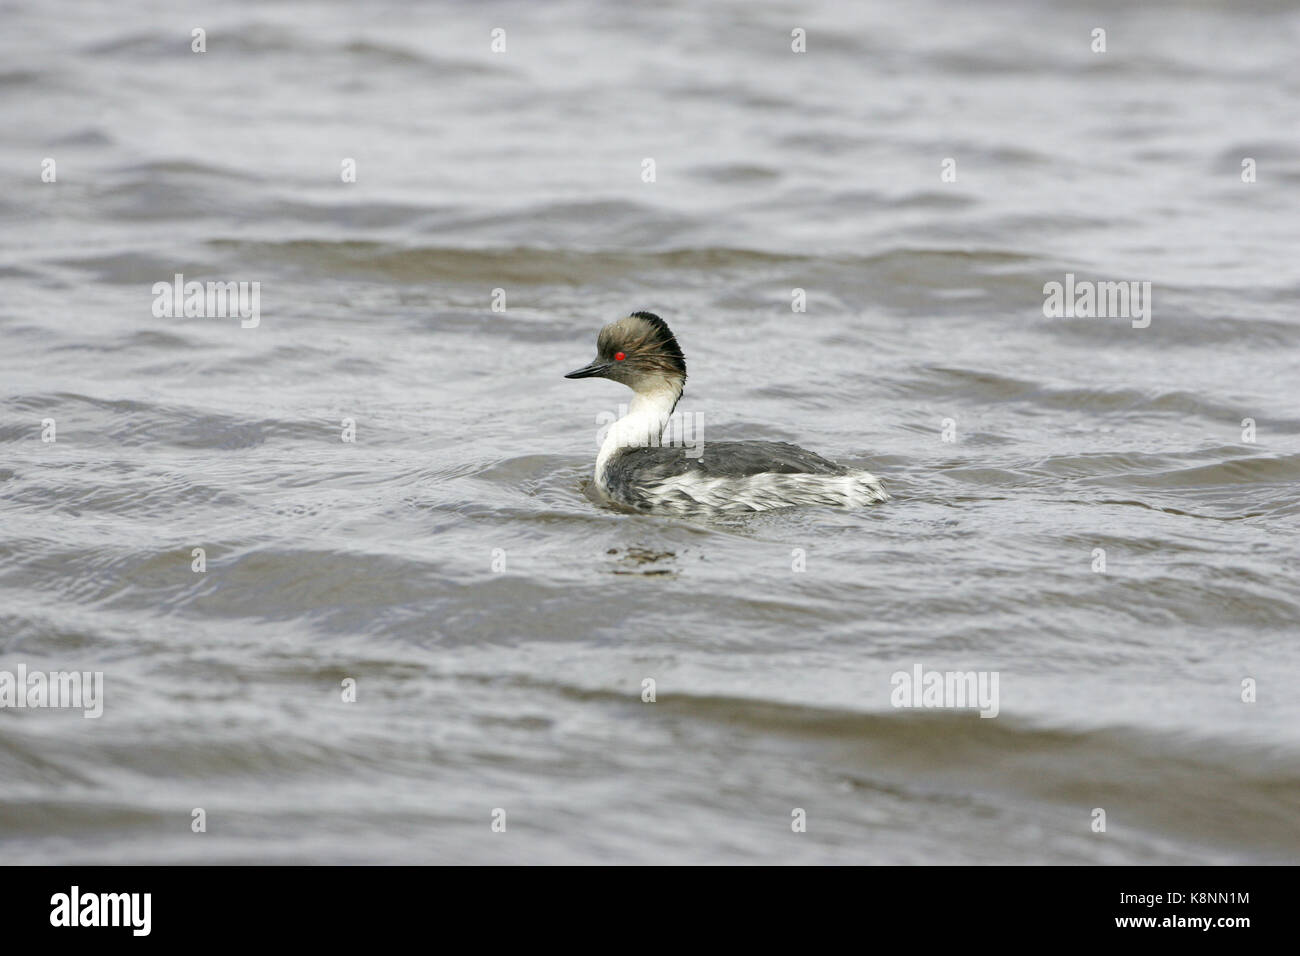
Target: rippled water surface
498 623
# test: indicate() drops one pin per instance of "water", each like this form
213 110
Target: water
521 689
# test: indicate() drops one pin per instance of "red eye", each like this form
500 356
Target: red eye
619 356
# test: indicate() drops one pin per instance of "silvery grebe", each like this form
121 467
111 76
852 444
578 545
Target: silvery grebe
633 470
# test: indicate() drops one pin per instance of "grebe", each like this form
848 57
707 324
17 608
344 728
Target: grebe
633 470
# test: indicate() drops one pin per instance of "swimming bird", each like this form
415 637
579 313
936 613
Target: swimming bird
635 470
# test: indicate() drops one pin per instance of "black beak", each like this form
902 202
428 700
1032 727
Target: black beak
596 369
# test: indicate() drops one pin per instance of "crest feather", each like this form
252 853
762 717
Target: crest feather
648 337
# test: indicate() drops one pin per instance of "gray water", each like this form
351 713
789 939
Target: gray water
497 621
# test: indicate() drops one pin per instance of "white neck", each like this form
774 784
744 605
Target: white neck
644 423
